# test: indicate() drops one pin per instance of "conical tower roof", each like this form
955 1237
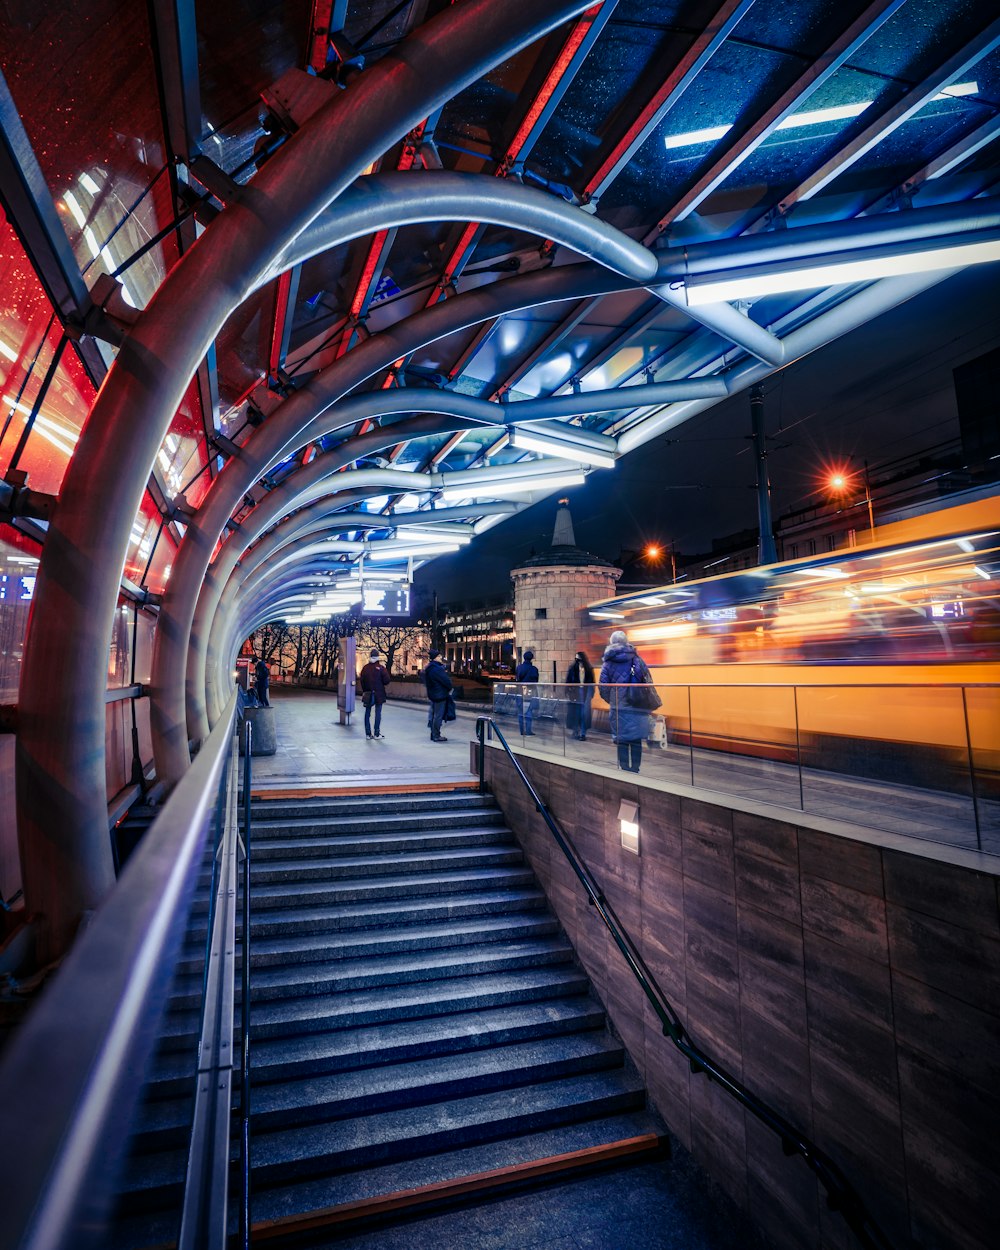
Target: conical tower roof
564 550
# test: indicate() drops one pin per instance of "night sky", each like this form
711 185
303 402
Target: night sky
881 393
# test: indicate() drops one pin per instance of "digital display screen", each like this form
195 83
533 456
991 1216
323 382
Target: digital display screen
385 599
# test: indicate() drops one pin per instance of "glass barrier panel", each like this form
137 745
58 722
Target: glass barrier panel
888 757
117 746
742 741
982 708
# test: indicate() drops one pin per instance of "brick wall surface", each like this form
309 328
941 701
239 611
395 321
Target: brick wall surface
563 592
857 988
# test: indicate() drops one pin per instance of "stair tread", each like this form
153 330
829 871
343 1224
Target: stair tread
342 825
489 835
369 1090
386 969
399 861
268 950
406 1174
407 1131
429 997
426 882
359 911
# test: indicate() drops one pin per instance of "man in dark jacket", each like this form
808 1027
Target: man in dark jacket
262 679
622 670
439 687
526 674
374 684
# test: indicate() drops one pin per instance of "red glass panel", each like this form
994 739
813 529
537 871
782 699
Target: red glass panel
83 79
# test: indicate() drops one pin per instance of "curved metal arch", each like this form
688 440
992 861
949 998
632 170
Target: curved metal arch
169 689
383 201
60 747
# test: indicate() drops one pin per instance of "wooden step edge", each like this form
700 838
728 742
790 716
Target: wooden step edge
478 1183
374 791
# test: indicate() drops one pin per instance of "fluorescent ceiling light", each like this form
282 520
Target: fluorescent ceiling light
419 537
755 285
499 489
8 351
808 117
530 441
402 553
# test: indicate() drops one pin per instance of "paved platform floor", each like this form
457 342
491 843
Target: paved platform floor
316 752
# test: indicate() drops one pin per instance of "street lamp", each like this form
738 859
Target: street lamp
840 482
653 552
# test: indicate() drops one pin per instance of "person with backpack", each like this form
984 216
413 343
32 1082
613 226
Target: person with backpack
439 687
626 685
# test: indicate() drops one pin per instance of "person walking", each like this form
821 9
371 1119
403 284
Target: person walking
439 687
622 672
579 696
374 685
526 674
262 679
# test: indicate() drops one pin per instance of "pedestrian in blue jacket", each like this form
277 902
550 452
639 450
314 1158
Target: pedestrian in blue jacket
439 687
622 667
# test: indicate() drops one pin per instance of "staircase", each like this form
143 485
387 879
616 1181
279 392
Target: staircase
417 1017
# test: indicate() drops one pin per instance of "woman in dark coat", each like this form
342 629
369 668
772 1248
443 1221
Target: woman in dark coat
629 725
579 696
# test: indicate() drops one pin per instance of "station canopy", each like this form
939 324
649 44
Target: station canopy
649 208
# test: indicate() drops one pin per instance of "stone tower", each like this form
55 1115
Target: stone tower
550 592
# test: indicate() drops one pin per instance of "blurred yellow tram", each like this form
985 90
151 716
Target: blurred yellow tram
882 658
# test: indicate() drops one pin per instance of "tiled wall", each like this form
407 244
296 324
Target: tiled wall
856 988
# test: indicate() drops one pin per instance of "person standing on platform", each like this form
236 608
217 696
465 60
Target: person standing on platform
526 674
622 672
579 696
262 679
374 684
439 687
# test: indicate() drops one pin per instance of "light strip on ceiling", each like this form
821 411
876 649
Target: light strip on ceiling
499 489
808 117
807 278
529 441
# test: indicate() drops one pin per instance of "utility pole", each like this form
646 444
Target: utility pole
767 554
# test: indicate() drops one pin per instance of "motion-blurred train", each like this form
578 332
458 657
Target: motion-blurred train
881 659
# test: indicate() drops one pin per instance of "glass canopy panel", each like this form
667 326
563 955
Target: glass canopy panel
101 142
632 56
18 567
145 529
244 344
180 462
736 84
243 47
57 425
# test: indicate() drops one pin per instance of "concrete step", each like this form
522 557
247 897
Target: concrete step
336 825
365 844
321 1013
375 913
274 1203
309 894
345 1145
373 1091
347 1050
344 867
339 975
363 805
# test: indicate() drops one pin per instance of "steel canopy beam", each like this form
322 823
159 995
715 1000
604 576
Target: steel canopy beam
60 750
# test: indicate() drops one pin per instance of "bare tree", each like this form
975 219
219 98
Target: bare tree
390 637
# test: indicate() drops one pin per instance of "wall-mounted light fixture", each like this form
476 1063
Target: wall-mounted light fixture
628 819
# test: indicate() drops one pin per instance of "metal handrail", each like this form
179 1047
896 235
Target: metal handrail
70 1072
204 1205
245 1218
840 1193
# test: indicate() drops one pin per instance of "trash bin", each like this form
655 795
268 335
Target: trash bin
265 739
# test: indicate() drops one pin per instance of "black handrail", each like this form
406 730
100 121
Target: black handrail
840 1193
245 1001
